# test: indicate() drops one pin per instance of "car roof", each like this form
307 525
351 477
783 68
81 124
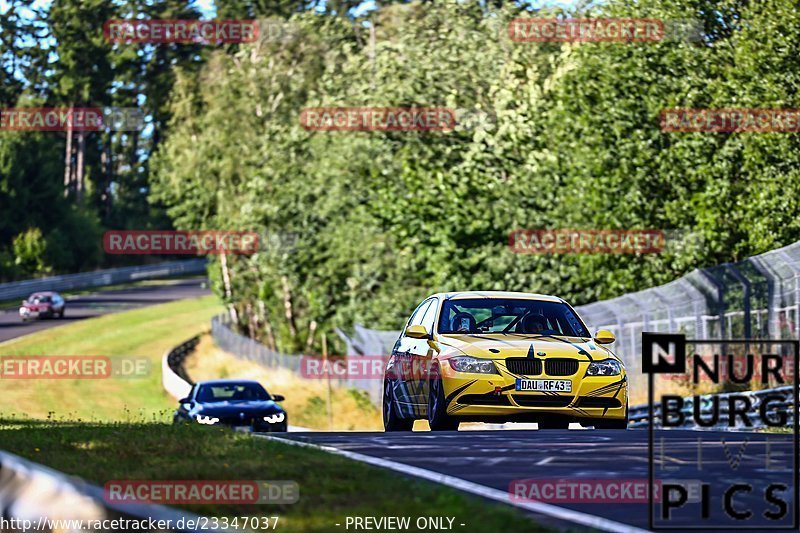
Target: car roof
43 293
229 381
498 295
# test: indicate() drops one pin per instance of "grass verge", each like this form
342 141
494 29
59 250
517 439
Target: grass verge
142 333
331 487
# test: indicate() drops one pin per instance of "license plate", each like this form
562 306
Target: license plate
555 385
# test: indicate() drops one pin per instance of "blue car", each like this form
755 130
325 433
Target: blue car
233 403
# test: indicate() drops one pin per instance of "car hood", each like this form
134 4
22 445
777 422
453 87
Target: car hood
495 346
234 408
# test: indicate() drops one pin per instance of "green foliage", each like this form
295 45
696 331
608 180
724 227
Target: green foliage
29 249
382 219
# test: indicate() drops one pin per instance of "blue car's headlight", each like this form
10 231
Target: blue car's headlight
465 363
607 367
275 419
209 420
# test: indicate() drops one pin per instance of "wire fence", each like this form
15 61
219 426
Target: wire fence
758 298
246 348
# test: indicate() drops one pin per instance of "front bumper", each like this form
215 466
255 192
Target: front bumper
482 396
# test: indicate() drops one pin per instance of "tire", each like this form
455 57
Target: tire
438 419
392 422
63 310
554 424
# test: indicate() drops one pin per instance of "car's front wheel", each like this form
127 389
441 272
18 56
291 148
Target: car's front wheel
438 419
392 422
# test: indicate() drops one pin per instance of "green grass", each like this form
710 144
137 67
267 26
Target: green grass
331 487
147 332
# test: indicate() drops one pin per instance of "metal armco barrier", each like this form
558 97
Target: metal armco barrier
53 501
173 376
638 415
100 278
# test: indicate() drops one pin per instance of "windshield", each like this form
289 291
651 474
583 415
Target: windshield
232 392
38 299
530 317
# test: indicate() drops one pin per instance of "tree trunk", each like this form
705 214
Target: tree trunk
287 306
80 167
68 159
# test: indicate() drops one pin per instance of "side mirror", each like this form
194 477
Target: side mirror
277 398
604 336
417 332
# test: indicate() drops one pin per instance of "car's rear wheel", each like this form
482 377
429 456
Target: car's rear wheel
392 422
438 419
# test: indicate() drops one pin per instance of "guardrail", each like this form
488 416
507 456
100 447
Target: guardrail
173 376
250 350
100 278
638 415
54 501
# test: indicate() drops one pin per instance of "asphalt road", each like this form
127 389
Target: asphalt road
604 459
102 303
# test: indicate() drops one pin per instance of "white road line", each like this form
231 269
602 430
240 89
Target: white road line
576 517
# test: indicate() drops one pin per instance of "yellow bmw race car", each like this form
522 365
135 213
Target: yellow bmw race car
502 357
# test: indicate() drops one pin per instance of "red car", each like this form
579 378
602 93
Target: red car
43 305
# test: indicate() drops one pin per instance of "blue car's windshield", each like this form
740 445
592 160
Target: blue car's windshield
232 392
495 315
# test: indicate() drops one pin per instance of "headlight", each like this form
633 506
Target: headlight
274 419
207 419
472 364
607 367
